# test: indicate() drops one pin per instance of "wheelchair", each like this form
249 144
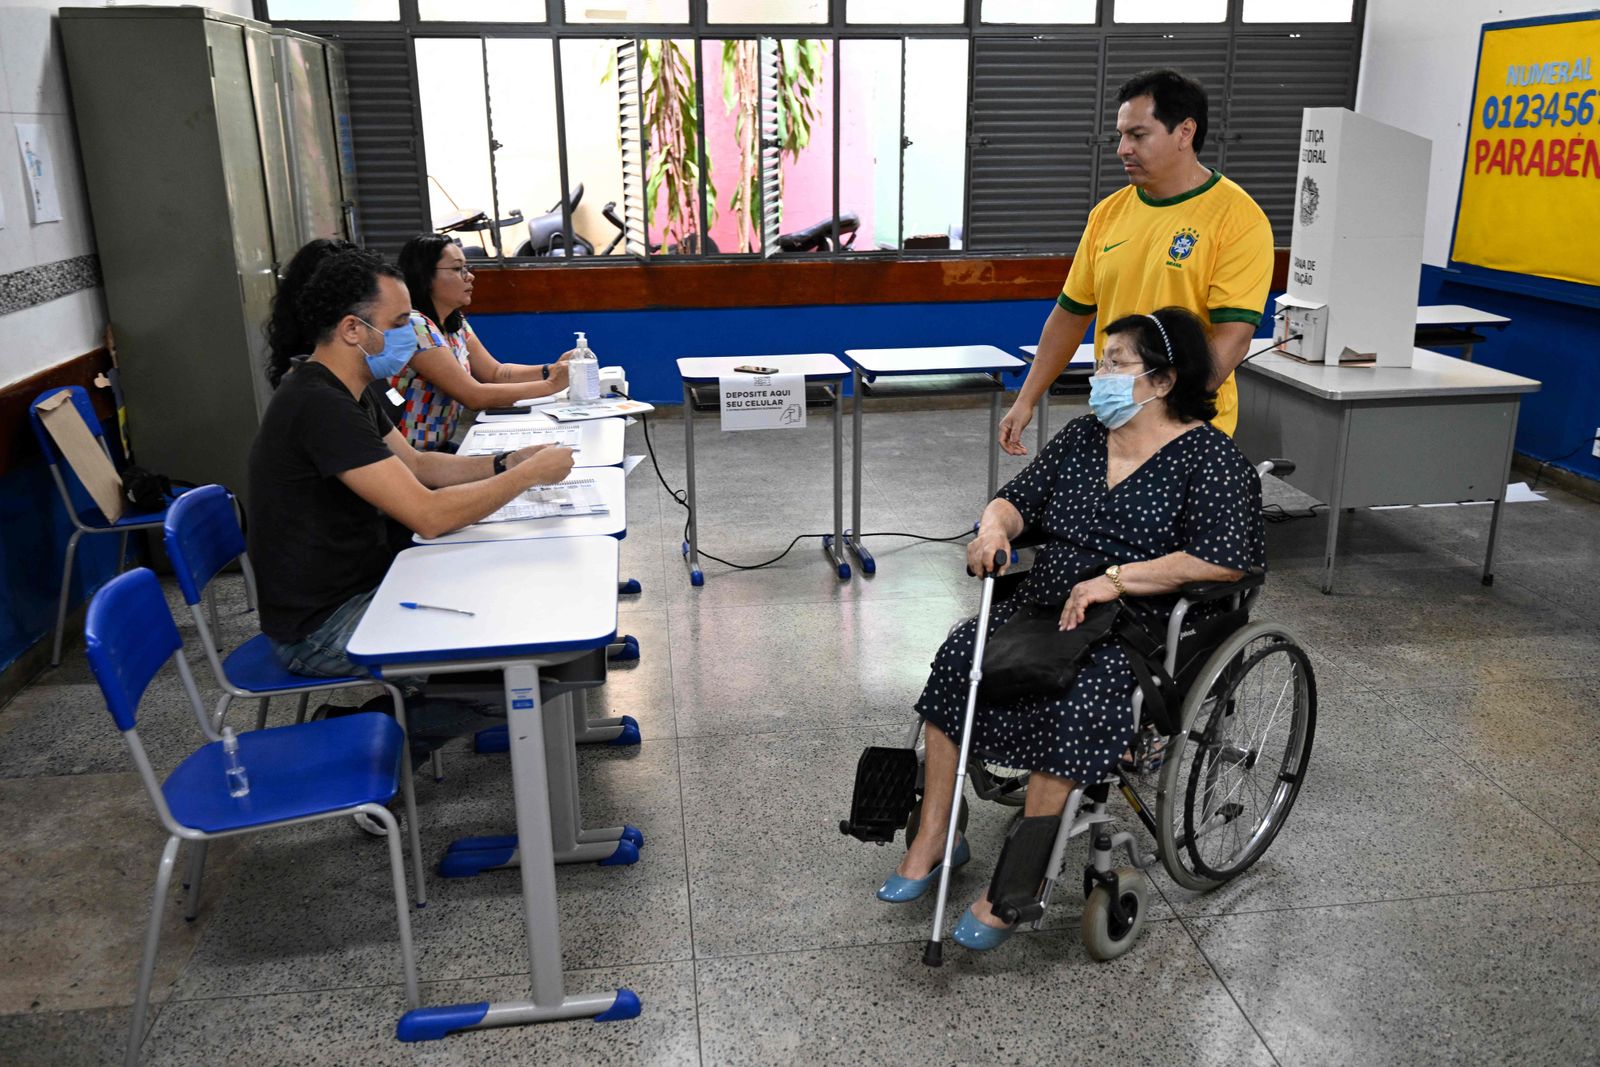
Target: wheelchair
1224 715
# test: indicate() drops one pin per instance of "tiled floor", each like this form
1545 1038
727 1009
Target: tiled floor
1432 898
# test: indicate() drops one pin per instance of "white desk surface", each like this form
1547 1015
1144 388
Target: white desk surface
819 365
1457 315
940 360
530 599
1084 356
1430 375
599 440
614 523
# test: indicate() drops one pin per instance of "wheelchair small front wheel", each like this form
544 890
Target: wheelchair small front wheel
1109 932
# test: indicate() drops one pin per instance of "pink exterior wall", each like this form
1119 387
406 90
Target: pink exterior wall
808 182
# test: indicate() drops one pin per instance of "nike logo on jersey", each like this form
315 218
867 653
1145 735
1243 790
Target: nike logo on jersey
1108 248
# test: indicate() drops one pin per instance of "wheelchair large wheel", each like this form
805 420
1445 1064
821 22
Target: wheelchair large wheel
1233 771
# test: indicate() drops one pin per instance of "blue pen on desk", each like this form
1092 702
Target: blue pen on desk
414 606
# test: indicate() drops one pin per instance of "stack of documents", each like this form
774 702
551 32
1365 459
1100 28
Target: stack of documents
605 408
554 501
487 442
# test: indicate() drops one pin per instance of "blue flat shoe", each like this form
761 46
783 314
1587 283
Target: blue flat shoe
901 890
977 935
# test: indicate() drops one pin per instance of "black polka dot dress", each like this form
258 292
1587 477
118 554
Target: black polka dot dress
1198 494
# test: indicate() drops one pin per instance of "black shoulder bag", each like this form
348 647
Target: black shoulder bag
1030 654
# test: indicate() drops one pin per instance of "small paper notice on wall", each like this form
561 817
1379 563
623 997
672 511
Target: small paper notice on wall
763 401
38 165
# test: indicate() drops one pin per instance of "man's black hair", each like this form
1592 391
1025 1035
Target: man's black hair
1177 97
343 284
285 342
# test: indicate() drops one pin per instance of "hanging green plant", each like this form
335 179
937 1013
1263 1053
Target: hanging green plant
672 130
800 69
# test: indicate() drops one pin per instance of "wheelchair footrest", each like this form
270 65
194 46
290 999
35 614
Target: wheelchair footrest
1019 873
886 788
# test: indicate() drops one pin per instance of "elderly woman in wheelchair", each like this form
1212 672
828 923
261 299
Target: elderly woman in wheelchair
1145 508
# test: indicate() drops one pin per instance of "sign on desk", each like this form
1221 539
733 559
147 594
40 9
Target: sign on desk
763 401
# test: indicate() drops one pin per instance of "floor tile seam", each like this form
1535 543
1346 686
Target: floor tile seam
1381 901
688 886
422 981
805 600
1223 982
795 732
1547 598
684 606
1489 776
1066 925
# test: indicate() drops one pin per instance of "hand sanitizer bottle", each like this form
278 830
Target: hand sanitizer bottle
232 769
583 374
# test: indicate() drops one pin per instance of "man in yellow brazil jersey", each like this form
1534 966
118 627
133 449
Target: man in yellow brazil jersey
1178 235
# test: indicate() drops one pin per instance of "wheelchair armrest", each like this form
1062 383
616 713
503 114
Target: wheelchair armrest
1197 592
1029 538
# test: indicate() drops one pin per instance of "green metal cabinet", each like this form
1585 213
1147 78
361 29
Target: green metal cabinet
212 150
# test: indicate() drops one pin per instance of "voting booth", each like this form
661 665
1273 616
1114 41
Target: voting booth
1355 256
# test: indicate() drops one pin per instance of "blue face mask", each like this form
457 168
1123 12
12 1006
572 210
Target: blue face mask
1111 398
399 345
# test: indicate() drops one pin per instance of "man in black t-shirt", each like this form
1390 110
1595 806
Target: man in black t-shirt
328 465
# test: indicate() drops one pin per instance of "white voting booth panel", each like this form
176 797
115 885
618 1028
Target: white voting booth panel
1355 257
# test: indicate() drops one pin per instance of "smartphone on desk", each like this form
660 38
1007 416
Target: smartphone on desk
748 369
505 411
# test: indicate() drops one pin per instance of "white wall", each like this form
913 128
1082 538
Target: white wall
33 89
1418 60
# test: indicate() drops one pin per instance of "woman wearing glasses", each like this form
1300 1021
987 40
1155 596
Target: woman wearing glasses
1135 500
452 370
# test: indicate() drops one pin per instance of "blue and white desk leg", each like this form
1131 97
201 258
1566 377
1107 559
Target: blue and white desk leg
569 841
618 730
548 999
852 536
691 553
834 544
609 846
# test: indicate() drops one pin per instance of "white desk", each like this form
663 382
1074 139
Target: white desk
1079 369
967 361
599 440
534 608
817 367
1457 315
614 523
1450 326
1439 431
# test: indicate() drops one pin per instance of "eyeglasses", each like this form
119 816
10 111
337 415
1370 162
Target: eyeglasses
463 272
1106 366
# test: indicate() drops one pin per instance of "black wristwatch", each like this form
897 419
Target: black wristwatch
544 369
500 462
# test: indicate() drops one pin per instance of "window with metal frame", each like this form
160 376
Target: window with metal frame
1033 148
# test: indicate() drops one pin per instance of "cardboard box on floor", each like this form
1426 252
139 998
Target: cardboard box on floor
83 454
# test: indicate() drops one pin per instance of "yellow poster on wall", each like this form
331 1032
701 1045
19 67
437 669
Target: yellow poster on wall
1530 186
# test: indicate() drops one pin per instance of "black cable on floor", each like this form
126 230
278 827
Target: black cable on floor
682 498
1278 513
1539 473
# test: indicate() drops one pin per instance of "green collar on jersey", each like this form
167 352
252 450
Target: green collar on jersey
1216 176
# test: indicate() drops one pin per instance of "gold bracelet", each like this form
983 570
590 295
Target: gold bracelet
1114 572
